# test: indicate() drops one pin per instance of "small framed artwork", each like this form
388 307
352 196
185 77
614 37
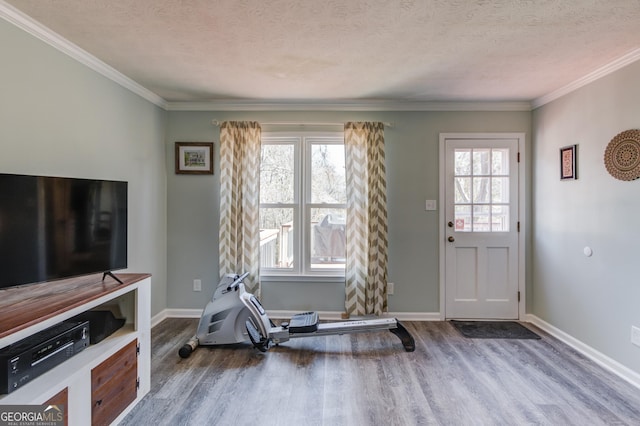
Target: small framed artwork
568 162
194 158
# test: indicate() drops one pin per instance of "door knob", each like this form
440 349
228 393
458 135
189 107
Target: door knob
451 239
450 224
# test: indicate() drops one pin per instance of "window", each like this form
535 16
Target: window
302 204
481 191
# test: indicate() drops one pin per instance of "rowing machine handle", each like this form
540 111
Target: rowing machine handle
238 280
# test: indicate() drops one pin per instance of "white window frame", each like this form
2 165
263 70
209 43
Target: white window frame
302 270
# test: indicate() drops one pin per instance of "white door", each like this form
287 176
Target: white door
481 228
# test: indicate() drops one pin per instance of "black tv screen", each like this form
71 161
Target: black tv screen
55 227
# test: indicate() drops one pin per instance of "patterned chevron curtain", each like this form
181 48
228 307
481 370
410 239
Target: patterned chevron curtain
366 232
240 201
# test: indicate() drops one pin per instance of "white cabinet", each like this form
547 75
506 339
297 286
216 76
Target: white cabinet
29 309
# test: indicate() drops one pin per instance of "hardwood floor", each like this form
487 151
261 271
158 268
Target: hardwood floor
368 379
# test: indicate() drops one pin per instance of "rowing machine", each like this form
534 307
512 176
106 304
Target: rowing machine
234 315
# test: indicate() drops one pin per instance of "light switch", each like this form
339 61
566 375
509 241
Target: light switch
430 205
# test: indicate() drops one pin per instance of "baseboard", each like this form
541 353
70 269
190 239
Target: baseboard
276 314
175 313
586 350
596 356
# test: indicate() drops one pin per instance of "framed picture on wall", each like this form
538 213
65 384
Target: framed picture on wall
568 162
194 158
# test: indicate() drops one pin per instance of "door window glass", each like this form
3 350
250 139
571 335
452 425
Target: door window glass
481 193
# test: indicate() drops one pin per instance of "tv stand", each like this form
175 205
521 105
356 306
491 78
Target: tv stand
111 274
102 383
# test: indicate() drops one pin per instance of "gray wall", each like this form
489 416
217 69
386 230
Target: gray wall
59 118
412 177
594 299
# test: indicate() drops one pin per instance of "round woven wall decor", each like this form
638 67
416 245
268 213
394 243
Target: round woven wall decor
622 155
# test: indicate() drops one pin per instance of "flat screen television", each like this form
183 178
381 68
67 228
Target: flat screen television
56 227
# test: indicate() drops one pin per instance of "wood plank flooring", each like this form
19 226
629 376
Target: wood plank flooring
368 379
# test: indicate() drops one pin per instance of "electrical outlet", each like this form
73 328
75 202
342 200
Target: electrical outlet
635 335
390 288
197 285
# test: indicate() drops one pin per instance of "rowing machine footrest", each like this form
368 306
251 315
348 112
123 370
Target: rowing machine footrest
306 322
259 342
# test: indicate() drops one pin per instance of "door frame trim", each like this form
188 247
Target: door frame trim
522 235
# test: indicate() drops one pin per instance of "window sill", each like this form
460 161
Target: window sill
303 278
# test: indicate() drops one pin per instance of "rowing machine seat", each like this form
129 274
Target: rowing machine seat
306 322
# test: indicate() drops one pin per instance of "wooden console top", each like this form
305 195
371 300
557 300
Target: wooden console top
24 306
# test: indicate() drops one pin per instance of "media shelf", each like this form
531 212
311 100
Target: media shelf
29 309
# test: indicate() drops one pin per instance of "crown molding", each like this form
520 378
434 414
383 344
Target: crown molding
603 71
31 26
347 105
36 29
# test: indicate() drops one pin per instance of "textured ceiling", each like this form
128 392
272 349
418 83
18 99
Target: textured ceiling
332 50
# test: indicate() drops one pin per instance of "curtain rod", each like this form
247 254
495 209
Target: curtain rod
297 123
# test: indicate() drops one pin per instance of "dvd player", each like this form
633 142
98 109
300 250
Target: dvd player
33 356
